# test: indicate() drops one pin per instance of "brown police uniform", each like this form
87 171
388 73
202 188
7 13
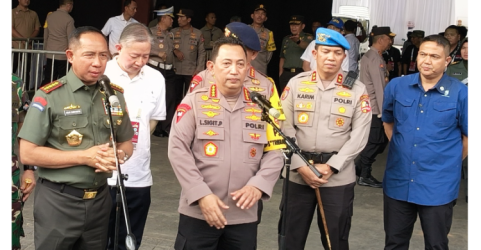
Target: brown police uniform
266 37
210 36
162 59
330 125
218 149
191 43
25 22
374 75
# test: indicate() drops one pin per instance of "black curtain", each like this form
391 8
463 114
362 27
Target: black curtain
97 12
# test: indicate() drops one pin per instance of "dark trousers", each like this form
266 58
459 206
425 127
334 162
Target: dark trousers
376 144
284 79
138 203
195 234
59 70
338 209
171 101
64 222
399 219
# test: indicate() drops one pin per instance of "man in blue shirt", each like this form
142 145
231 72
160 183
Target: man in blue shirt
426 120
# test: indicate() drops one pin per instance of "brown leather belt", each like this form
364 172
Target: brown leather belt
86 194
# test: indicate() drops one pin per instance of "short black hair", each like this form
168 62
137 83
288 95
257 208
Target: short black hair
64 2
350 25
208 12
454 27
226 41
440 40
235 19
463 31
74 37
128 2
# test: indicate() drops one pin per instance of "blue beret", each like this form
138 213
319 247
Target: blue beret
245 33
330 37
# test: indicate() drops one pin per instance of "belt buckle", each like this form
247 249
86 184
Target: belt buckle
293 70
89 195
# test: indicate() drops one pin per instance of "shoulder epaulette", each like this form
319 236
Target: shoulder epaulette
117 87
49 87
454 63
272 80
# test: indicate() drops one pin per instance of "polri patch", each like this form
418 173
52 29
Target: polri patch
181 110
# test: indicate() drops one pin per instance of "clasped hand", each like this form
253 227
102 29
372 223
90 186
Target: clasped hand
311 179
102 158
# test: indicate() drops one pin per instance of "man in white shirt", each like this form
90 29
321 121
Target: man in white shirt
114 26
350 28
144 92
309 60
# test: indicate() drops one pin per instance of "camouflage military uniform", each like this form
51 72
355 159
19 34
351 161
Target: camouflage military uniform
17 117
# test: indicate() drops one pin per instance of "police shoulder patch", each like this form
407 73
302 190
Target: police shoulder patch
49 87
117 87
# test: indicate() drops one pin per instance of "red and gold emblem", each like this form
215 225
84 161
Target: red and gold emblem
252 73
255 136
285 93
313 76
195 81
181 110
303 118
210 149
253 152
364 97
210 133
339 78
365 106
213 91
246 95
210 113
340 122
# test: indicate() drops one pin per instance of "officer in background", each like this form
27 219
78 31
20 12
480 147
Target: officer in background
162 59
266 38
459 70
409 57
189 51
392 57
22 184
375 76
330 123
216 150
293 45
67 134
211 33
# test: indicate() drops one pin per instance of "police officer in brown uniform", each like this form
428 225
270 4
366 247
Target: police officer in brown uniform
211 33
266 37
162 59
188 50
216 151
375 75
330 123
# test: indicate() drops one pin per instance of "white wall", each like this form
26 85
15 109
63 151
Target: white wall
460 12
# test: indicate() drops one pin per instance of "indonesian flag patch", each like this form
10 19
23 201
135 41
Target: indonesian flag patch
181 110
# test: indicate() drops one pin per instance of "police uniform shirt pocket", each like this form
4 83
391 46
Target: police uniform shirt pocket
444 114
253 146
210 143
73 132
340 117
304 112
192 41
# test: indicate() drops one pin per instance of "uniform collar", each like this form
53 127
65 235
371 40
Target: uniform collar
337 81
74 82
443 84
244 98
19 9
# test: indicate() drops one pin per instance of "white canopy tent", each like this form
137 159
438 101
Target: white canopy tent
432 16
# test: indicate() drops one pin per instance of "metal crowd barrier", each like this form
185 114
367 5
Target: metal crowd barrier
30 62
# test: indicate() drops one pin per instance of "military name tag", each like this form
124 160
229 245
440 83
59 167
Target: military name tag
72 112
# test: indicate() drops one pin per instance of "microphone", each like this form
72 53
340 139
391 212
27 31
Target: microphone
104 82
263 103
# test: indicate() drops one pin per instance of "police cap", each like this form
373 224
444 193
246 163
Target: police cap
245 33
296 19
330 37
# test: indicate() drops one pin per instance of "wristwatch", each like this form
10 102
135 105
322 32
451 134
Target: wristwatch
126 157
28 167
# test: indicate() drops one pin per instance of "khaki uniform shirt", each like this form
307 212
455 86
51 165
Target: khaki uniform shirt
163 46
214 148
254 81
25 22
292 52
266 37
325 120
210 36
191 43
59 26
67 105
459 71
374 75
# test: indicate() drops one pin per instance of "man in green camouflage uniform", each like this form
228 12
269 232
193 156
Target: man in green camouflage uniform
20 192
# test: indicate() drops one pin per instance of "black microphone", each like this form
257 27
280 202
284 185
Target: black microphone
104 82
265 104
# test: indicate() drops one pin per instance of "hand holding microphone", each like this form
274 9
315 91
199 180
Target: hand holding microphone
265 104
104 82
